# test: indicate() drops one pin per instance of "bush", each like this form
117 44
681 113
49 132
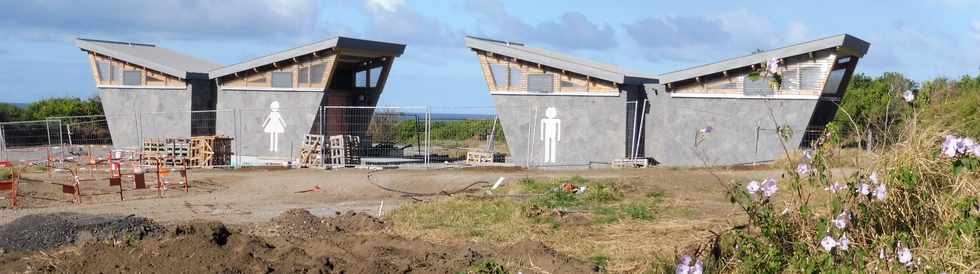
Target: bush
913 210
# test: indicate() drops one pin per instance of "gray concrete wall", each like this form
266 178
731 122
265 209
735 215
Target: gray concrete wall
743 130
297 108
593 128
127 127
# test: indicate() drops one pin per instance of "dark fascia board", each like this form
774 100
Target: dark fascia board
846 45
556 60
339 43
93 46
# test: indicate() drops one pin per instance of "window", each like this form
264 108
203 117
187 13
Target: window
516 78
104 68
116 72
499 74
791 79
375 76
316 73
132 78
833 83
282 79
809 78
360 79
304 75
540 83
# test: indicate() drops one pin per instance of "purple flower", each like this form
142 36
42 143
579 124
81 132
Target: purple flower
803 169
828 243
707 130
864 189
773 66
844 242
685 267
881 192
904 255
837 186
975 151
881 253
698 267
909 96
842 219
752 187
873 177
808 155
769 187
949 146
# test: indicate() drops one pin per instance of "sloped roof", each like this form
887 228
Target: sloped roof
150 56
554 59
845 44
375 47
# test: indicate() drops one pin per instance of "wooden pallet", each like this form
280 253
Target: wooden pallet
312 150
345 150
482 157
203 151
210 151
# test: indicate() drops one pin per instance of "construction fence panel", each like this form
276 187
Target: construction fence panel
467 135
36 142
375 136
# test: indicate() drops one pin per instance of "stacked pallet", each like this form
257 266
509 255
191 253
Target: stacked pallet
311 152
169 151
210 151
344 150
483 157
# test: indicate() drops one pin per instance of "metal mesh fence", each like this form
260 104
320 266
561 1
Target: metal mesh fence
31 141
470 135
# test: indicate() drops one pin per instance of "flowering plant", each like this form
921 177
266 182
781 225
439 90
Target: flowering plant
771 70
906 212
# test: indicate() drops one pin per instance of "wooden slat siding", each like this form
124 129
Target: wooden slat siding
588 85
166 79
487 72
824 60
308 61
95 68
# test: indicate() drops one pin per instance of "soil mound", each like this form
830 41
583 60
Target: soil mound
47 231
304 243
357 222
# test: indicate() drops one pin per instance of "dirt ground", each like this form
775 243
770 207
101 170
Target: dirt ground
241 221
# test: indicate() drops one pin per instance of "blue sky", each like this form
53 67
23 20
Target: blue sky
921 39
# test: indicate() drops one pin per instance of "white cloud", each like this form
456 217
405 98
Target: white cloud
387 5
975 30
184 20
698 39
571 30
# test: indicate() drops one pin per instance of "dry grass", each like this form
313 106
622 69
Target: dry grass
625 244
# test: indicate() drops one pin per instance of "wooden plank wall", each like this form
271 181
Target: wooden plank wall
262 77
734 83
580 83
163 80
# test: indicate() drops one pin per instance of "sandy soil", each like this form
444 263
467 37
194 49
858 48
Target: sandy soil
248 201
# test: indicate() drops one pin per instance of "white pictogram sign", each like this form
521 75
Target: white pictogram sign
274 125
550 134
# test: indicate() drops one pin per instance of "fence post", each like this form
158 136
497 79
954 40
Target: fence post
3 144
61 141
235 113
428 135
139 130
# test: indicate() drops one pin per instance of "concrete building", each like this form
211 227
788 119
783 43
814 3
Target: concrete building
268 103
558 110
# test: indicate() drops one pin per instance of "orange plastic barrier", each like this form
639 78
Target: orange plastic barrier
10 184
